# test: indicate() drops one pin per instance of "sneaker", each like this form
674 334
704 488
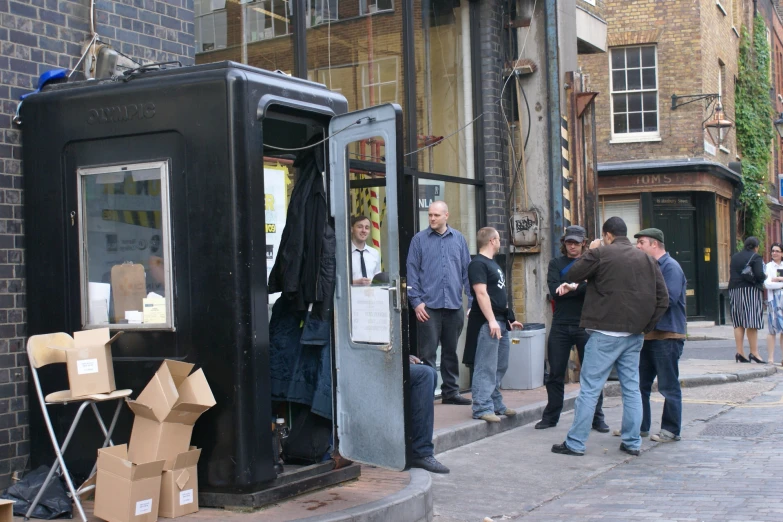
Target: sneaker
508 412
665 437
542 425
430 464
601 427
634 452
457 399
562 449
642 434
490 417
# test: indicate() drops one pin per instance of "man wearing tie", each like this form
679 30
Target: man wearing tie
365 261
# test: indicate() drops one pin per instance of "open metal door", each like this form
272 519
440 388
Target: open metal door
365 166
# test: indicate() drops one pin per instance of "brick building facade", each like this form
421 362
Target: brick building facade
37 36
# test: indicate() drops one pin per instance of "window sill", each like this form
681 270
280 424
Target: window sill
722 9
724 149
635 139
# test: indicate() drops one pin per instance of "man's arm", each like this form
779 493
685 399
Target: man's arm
413 264
465 255
486 308
661 298
586 266
674 280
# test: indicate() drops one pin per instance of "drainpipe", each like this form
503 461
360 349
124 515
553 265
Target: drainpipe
553 120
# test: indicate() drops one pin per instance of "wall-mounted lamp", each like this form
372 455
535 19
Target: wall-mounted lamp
719 126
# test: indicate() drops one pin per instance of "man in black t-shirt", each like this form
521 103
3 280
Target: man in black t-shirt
490 309
565 331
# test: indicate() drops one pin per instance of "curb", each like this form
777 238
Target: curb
446 439
707 338
413 503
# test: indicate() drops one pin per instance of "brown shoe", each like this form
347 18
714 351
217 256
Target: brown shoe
508 413
490 417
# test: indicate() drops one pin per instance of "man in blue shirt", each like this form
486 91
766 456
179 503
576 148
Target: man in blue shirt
663 346
437 264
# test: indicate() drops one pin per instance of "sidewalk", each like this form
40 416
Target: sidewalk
710 332
380 495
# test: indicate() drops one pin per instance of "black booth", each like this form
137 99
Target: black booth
160 176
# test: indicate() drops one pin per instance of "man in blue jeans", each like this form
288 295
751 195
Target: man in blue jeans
491 318
421 387
663 346
626 295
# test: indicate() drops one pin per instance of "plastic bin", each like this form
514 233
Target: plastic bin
526 359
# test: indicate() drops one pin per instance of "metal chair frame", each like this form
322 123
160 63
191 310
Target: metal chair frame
42 344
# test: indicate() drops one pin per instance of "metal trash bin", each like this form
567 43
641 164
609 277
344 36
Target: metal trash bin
526 359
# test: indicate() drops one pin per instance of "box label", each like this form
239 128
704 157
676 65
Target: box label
143 507
186 497
87 366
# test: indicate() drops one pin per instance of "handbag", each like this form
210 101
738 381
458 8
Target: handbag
747 271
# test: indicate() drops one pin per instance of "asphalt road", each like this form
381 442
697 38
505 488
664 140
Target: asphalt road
724 349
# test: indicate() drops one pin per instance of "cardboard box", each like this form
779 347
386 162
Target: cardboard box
179 487
126 492
89 362
166 411
6 510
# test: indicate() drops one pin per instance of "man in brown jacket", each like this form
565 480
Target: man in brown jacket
626 295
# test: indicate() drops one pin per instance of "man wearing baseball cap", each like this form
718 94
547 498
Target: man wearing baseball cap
568 297
663 346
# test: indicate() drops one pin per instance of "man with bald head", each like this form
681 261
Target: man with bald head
437 264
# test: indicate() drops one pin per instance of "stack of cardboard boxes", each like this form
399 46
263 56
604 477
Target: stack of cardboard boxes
156 474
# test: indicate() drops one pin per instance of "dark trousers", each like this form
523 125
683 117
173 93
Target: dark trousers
561 338
422 388
444 326
661 359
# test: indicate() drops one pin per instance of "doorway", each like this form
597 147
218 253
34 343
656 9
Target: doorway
678 223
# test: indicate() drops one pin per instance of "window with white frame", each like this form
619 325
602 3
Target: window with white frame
211 25
265 19
375 6
634 88
627 208
379 82
321 11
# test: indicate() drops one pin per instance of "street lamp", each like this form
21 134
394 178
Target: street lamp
719 126
779 125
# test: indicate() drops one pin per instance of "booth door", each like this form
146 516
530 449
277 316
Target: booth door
370 358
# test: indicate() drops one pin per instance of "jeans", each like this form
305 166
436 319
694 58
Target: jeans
561 338
601 354
444 326
660 358
490 366
422 388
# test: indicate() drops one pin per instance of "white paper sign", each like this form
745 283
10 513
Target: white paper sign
274 215
143 507
370 315
87 366
186 497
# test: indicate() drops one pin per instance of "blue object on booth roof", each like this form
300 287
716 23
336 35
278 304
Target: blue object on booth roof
48 76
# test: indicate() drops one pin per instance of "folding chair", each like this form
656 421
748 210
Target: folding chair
40 352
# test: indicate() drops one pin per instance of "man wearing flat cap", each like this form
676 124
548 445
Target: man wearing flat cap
565 331
663 346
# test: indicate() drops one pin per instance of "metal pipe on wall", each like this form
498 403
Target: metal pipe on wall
553 120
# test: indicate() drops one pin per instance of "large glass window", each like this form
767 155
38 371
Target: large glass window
634 87
623 207
126 272
724 238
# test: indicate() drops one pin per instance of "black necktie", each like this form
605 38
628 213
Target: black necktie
361 259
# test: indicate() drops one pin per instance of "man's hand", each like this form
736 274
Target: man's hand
413 359
421 313
595 243
362 281
515 324
565 288
494 329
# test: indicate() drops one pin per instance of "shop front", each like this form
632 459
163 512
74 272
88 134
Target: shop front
693 203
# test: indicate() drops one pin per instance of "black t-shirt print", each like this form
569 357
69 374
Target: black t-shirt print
483 270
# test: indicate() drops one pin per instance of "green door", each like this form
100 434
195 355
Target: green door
678 226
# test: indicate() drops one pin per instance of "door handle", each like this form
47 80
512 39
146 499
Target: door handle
394 290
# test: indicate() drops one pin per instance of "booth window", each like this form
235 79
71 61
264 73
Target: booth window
125 255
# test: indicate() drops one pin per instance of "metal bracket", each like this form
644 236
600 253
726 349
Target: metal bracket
692 98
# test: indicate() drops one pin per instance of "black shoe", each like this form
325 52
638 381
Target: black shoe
755 359
542 425
601 427
740 358
457 399
430 464
562 449
628 450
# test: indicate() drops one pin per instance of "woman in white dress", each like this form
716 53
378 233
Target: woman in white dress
774 286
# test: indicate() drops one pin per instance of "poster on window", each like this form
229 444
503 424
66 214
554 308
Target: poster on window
275 203
429 192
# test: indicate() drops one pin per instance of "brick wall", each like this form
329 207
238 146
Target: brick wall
36 36
690 38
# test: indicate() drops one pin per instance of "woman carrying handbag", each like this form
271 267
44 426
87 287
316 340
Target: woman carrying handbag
746 283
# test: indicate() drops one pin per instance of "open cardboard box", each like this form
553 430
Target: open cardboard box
89 362
124 491
165 413
6 510
179 488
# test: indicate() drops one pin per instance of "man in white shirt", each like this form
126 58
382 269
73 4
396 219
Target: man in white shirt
365 260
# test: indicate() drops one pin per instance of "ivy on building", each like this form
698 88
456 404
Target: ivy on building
754 115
